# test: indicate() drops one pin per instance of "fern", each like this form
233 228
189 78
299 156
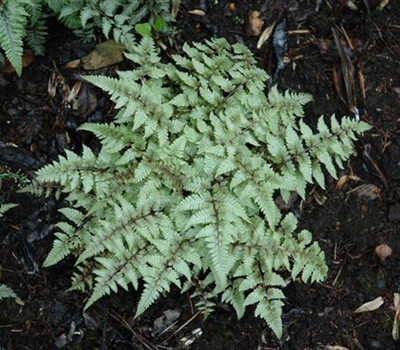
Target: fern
26 20
13 22
116 19
5 291
182 191
6 207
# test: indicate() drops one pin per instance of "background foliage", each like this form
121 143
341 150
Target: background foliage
26 20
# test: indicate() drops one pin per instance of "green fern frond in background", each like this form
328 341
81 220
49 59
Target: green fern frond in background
116 19
26 20
13 23
6 292
182 192
5 208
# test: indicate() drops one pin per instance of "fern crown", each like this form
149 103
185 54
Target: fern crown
182 191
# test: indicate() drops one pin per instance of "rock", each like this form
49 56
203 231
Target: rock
394 212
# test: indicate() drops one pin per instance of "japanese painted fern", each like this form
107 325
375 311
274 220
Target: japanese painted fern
182 191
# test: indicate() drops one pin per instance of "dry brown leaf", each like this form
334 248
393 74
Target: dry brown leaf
19 302
347 68
87 101
382 5
176 4
255 23
105 54
383 251
52 85
319 197
343 180
73 64
395 329
197 12
334 347
74 91
369 191
361 80
337 82
351 5
370 305
266 34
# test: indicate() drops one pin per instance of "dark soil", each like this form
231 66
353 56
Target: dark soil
349 223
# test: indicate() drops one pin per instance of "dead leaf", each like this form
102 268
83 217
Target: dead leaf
370 305
361 80
320 198
383 251
347 69
334 347
255 23
52 85
299 32
282 205
338 82
197 12
369 191
163 322
351 5
87 101
395 329
382 5
266 34
19 302
343 180
176 4
105 54
73 64
74 91
189 339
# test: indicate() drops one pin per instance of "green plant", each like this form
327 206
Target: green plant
6 292
17 177
21 19
26 19
182 191
7 175
117 19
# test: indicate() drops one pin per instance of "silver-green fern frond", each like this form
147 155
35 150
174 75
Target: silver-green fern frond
182 191
6 292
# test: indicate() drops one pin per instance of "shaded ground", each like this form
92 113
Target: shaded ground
348 223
